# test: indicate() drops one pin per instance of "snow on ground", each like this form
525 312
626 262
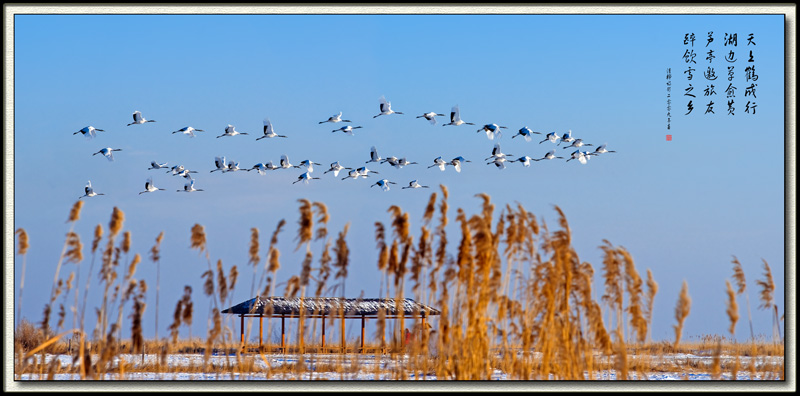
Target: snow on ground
189 367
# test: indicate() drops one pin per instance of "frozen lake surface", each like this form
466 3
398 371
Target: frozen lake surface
191 367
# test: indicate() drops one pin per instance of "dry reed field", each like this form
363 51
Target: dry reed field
516 303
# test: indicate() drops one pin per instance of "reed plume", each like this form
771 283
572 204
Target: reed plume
681 311
322 219
305 269
400 269
274 260
176 321
75 212
652 289
400 223
767 293
98 235
634 286
392 262
274 239
306 223
441 246
208 285
732 309
612 269
222 283
738 276
421 259
115 225
188 308
198 238
380 236
292 287
126 241
430 209
22 241
383 254
255 258
233 275
342 256
324 270
767 288
132 267
22 249
137 340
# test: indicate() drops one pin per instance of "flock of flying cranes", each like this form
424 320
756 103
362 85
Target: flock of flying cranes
498 158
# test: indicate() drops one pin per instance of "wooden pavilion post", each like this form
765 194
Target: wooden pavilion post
260 331
323 333
383 337
363 322
241 334
283 334
344 345
423 336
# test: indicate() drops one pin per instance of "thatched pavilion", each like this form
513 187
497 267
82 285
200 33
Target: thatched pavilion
326 307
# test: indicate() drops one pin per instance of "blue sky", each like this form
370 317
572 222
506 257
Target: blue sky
682 208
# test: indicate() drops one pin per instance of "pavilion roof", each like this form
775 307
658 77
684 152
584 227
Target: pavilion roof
330 306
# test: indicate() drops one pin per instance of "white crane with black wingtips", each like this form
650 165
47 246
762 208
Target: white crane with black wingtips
335 168
138 119
189 187
526 133
305 177
230 130
363 171
89 191
88 131
431 117
285 164
149 186
492 131
497 153
567 137
455 118
353 174
262 168
220 163
309 164
348 129
156 165
269 130
548 156
188 131
335 119
577 143
525 160
601 149
552 136
414 184
233 166
386 108
438 161
108 152
457 161
373 156
383 184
